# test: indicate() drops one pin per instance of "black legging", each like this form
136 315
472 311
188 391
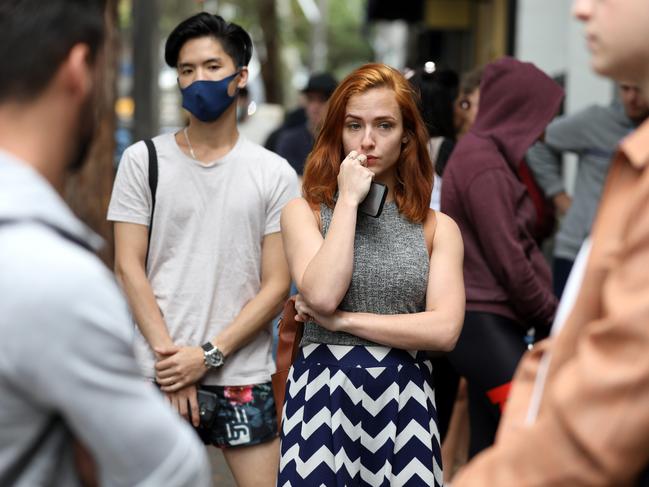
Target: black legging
447 381
560 271
487 353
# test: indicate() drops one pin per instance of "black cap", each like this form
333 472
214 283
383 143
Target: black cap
321 83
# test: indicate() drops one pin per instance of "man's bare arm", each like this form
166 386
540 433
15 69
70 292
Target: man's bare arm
131 241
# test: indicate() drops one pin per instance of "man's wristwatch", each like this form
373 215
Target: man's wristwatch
212 356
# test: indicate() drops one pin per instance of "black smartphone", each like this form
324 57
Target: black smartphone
373 203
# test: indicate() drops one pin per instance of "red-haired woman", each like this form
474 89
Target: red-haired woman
360 407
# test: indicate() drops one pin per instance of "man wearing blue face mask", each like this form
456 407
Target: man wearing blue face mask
206 287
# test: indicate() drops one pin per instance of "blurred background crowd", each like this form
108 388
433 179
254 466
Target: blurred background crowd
294 39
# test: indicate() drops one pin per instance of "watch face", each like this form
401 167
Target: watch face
214 358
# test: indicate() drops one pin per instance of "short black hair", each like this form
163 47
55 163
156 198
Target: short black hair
37 36
235 40
323 83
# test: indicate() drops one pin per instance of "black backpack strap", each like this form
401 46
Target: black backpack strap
153 186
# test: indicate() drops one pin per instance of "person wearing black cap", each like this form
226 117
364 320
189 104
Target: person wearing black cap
295 144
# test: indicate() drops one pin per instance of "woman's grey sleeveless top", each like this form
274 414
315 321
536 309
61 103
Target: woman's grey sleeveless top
390 274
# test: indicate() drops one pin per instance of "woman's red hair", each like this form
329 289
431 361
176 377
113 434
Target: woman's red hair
414 175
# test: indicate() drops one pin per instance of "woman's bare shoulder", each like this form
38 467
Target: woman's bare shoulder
445 222
439 227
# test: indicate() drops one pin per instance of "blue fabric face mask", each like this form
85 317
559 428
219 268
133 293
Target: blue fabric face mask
206 99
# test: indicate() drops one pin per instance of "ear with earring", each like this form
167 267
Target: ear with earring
404 140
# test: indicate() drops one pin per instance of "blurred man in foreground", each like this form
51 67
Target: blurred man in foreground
67 371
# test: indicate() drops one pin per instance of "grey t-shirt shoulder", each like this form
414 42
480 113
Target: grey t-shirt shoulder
593 134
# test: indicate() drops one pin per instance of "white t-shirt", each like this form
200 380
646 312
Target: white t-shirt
434 144
205 256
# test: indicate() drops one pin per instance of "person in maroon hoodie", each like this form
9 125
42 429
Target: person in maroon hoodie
508 282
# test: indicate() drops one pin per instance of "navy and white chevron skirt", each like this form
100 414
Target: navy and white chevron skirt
359 416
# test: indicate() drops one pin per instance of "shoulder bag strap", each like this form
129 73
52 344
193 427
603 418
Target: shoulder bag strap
16 470
63 233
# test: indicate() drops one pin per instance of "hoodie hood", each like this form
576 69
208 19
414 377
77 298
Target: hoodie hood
517 102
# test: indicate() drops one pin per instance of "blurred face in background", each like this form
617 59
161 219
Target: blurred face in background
316 107
635 105
466 110
617 32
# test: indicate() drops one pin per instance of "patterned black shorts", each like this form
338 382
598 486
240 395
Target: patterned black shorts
245 415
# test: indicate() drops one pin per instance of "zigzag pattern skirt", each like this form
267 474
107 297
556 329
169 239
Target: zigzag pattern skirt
359 416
